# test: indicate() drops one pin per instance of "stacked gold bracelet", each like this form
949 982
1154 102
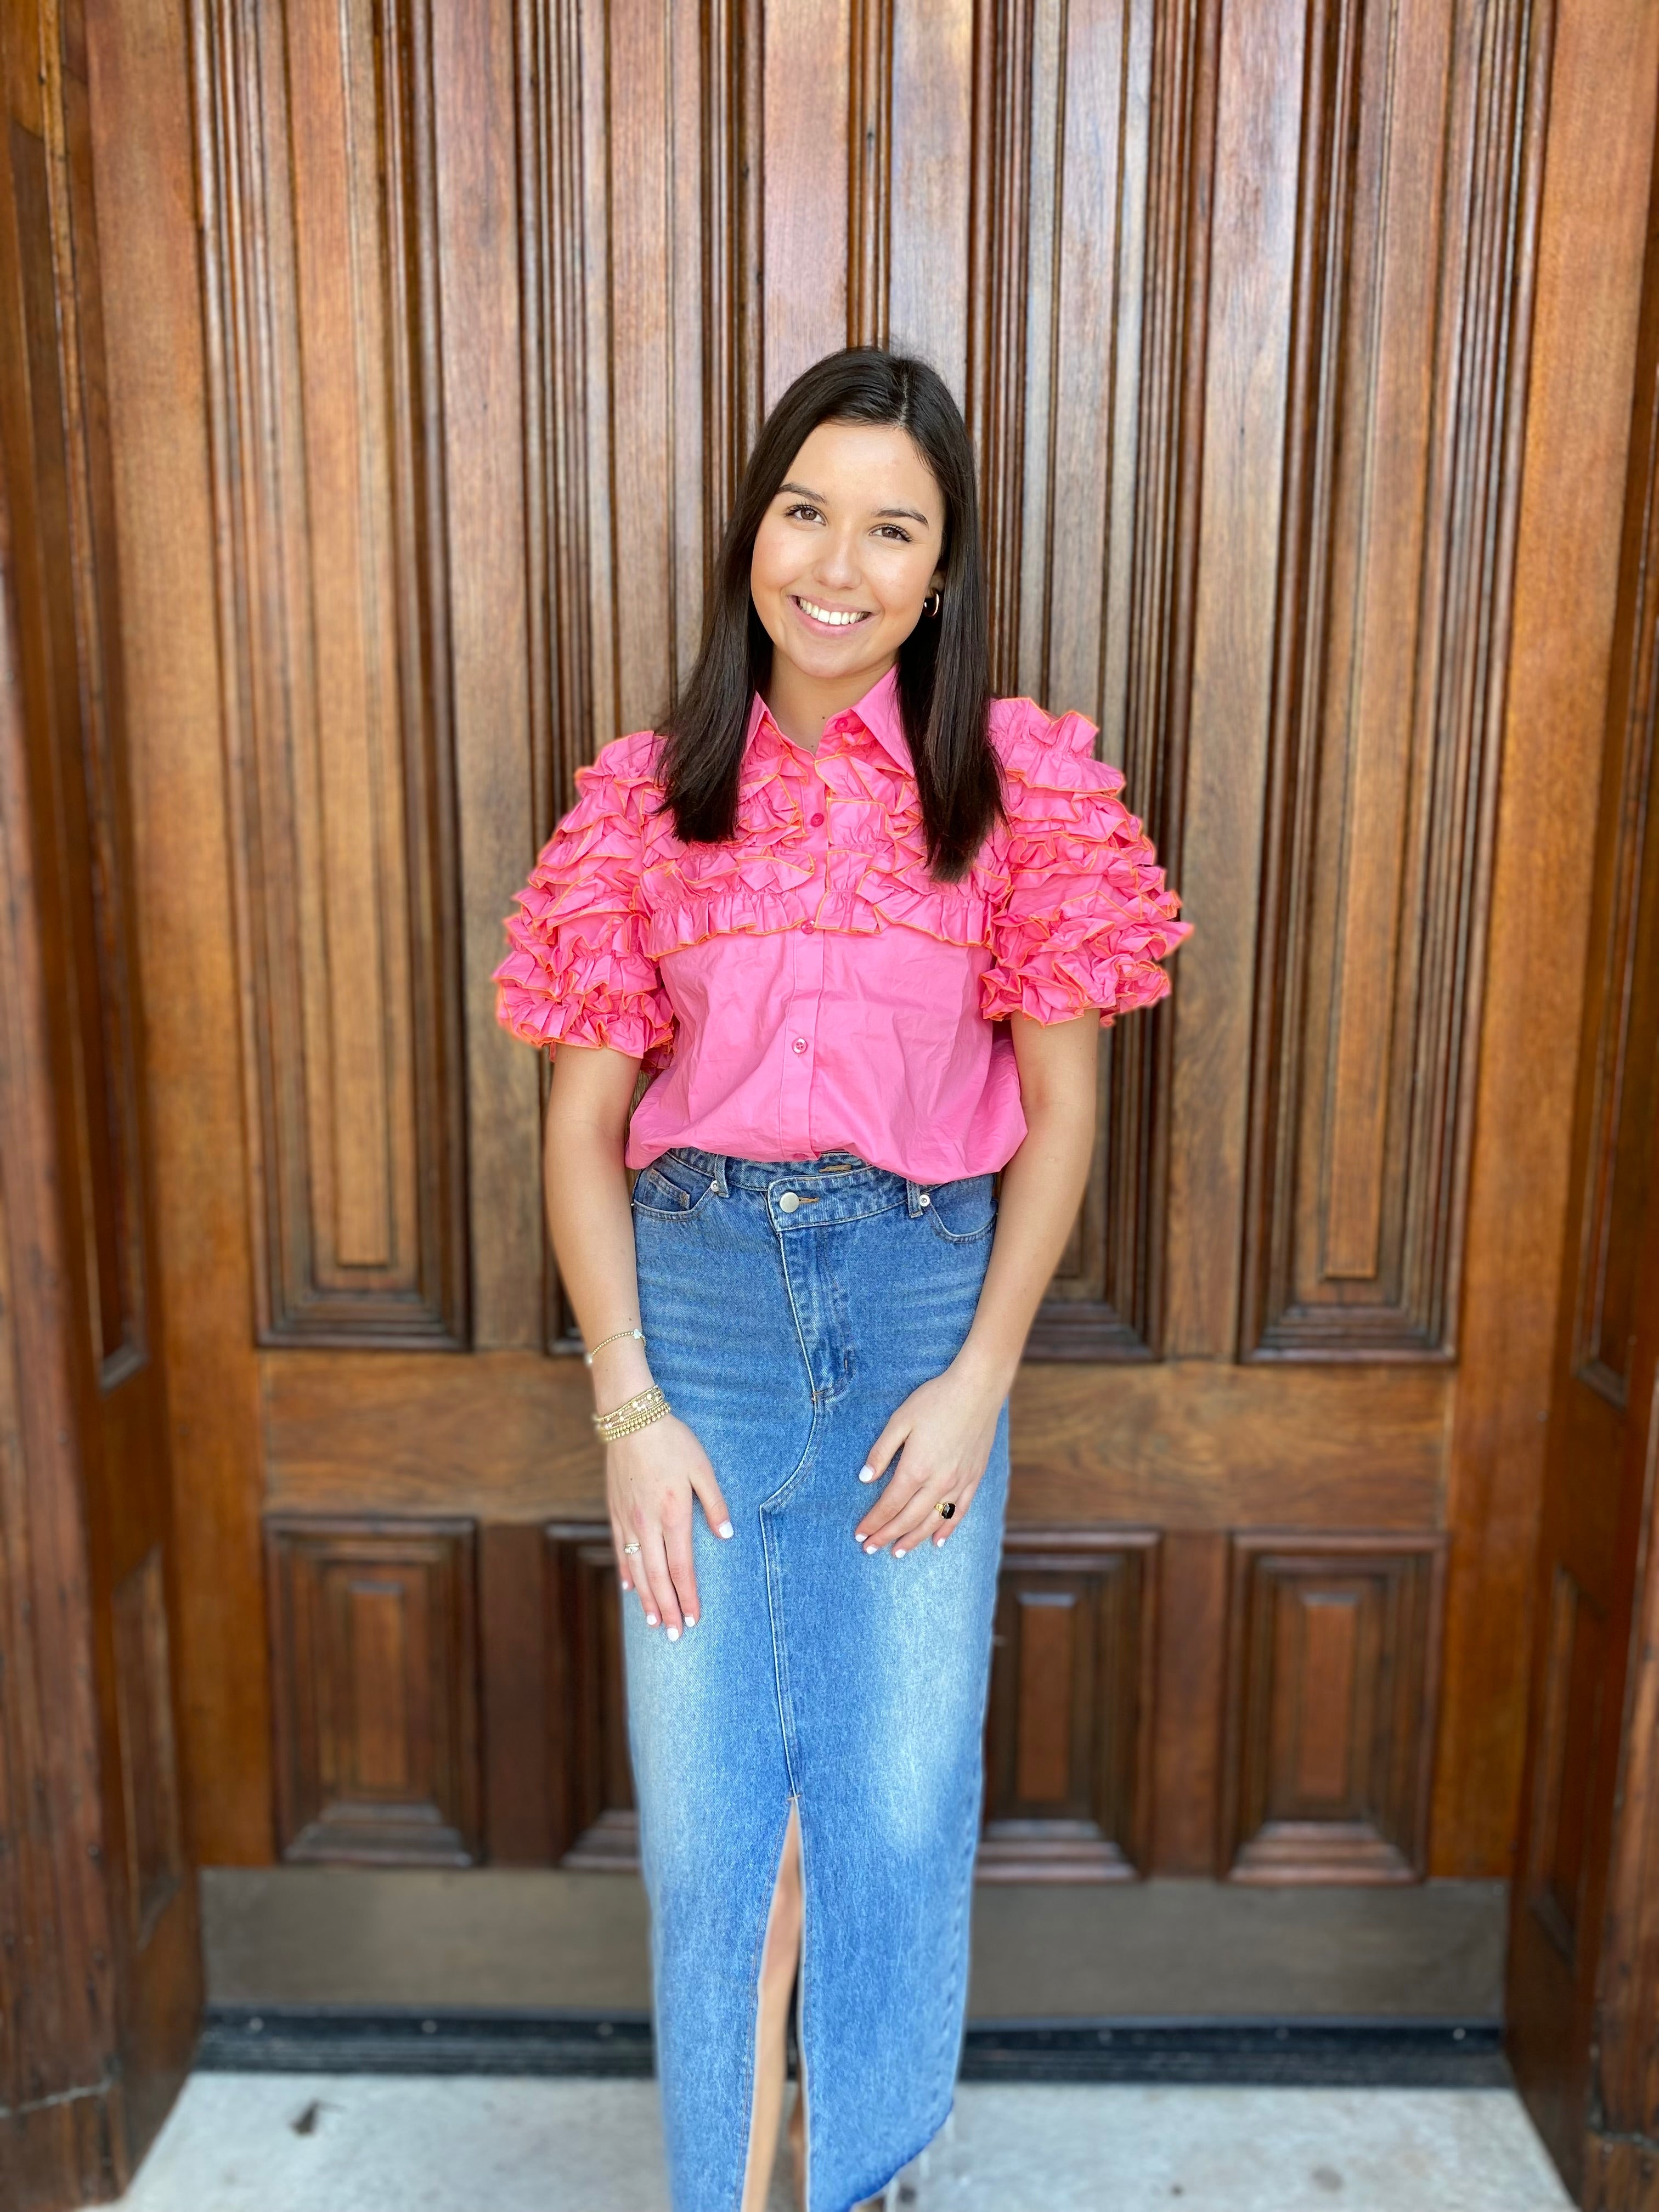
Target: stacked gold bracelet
636 1413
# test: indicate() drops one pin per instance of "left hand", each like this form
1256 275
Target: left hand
946 1428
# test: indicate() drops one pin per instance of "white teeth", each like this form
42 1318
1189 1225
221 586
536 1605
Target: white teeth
839 617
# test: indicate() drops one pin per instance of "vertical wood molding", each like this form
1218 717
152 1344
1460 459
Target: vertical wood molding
870 182
1401 485
149 1771
1624 1001
57 2058
1084 385
1333 1669
327 410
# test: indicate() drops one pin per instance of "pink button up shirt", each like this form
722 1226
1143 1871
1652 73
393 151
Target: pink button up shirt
808 986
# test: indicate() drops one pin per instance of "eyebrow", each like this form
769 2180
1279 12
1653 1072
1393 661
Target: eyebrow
882 513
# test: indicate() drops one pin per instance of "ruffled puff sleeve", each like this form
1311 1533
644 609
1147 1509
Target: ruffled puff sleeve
577 971
1082 917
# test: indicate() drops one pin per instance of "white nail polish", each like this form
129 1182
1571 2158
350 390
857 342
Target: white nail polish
690 1619
650 1620
873 1547
725 1527
867 1474
673 1636
858 1537
899 1551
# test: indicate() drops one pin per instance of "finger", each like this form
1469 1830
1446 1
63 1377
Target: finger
654 1561
924 1518
713 1500
881 1522
624 1561
650 1598
676 1535
876 1461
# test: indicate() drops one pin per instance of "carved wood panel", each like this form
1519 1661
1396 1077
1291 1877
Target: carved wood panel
703 219
149 1769
1333 1668
83 669
594 1822
1567 1765
1401 480
374 1675
321 319
1070 1726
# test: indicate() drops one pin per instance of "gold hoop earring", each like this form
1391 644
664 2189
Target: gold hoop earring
933 603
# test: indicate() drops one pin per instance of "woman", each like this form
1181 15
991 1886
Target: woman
862 923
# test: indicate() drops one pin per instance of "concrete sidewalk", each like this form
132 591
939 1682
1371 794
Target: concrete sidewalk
336 2143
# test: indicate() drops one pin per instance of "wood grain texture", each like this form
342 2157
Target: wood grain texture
1089 165
1251 250
1582 1989
590 1781
494 355
374 1671
97 1909
325 365
1587 246
1333 1654
1401 474
507 1436
1070 1725
140 125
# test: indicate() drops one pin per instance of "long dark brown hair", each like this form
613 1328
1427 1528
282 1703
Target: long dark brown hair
944 666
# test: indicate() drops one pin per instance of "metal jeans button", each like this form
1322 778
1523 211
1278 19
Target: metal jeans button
789 1202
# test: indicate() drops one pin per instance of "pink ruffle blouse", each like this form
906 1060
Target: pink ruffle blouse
808 986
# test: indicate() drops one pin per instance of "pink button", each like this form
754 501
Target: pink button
818 822
806 929
800 1044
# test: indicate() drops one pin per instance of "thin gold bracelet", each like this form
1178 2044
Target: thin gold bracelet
615 1337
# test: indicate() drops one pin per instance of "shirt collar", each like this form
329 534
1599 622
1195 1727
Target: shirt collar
880 712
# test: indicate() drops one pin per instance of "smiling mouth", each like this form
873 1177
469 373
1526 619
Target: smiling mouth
829 618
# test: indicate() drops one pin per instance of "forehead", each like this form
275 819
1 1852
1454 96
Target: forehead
865 464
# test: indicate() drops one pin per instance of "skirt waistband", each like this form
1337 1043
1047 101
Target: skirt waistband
824 1172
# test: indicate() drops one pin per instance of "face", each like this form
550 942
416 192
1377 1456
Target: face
848 550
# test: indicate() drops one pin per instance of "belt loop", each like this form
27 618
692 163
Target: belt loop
913 1195
720 1190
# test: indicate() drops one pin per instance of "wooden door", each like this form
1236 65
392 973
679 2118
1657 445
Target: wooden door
100 1968
1299 380
1585 1954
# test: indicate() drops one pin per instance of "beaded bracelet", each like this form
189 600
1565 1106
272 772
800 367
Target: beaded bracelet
636 1413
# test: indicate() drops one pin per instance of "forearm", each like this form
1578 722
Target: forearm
1043 1188
590 1219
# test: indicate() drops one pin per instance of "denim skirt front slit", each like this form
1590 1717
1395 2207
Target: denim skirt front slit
789 1307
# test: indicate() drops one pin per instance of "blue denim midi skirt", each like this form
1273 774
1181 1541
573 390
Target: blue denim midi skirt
788 1309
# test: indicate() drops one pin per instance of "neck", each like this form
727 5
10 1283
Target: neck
801 704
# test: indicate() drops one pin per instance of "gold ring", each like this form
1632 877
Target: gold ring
945 1508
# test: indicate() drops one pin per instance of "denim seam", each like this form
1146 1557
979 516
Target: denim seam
835 1220
962 1237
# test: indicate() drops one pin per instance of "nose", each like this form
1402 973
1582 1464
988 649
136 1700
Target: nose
837 565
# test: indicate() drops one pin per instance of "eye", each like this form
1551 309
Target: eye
895 530
802 510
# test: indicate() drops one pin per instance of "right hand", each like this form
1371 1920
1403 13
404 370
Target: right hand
651 1479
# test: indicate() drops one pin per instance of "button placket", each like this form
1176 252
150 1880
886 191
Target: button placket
800 1032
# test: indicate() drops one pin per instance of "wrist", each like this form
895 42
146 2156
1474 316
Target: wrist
985 1369
618 1371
